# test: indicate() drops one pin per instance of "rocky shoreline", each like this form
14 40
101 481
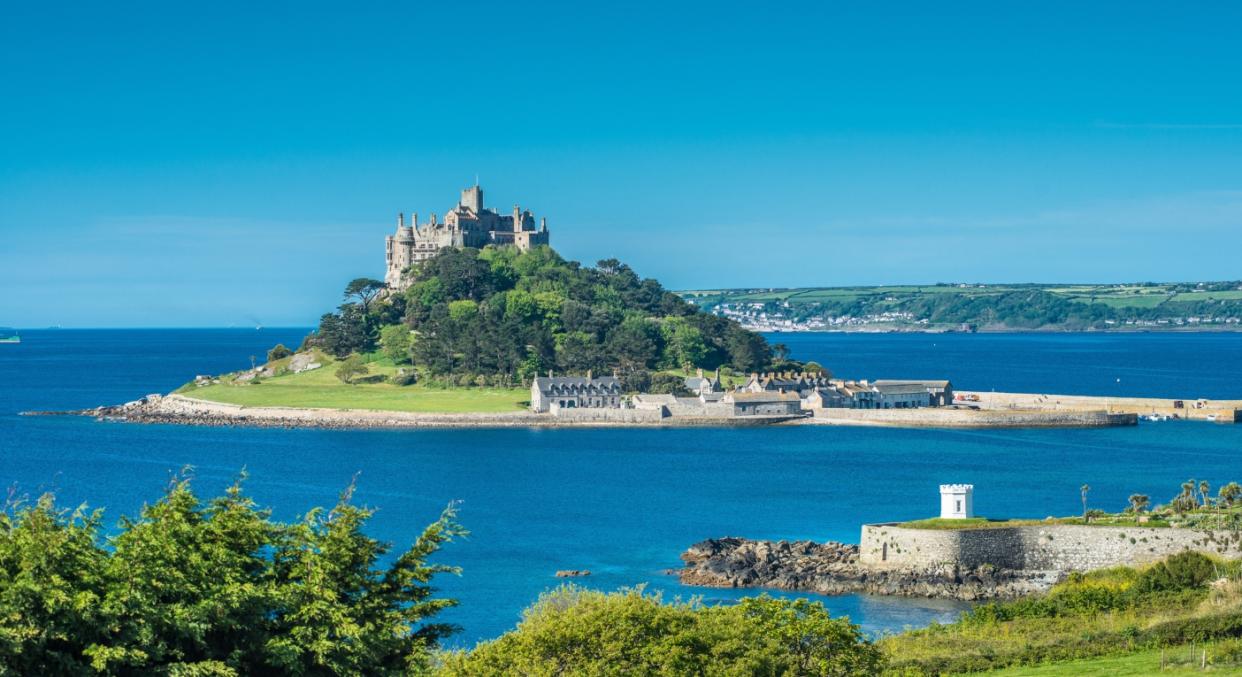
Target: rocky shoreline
833 568
182 410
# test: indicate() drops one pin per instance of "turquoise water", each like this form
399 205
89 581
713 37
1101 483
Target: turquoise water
625 503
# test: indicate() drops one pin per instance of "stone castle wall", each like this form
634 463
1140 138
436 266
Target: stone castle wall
1052 547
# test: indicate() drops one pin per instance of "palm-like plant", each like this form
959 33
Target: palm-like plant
1139 502
1083 490
1204 488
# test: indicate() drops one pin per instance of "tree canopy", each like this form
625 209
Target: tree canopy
214 588
507 315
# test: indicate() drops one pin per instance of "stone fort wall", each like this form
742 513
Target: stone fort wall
1052 547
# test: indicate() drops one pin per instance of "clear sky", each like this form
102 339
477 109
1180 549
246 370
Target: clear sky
210 164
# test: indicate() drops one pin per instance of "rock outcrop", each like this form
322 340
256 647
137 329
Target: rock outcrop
833 568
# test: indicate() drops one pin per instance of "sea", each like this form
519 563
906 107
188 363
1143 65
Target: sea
624 503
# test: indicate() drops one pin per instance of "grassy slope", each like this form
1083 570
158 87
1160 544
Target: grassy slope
321 388
1177 662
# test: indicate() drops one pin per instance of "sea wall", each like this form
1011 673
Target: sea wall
602 415
972 418
1059 547
1221 411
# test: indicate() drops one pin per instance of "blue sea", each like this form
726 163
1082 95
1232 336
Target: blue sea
624 503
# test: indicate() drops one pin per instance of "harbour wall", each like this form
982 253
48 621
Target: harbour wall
1052 547
1222 411
973 418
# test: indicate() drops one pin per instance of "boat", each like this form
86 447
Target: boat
8 335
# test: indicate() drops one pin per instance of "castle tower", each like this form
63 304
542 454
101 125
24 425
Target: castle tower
957 501
472 199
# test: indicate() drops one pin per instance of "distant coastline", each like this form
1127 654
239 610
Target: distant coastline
960 307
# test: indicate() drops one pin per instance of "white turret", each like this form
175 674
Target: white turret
957 501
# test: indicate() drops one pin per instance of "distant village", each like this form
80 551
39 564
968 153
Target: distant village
775 395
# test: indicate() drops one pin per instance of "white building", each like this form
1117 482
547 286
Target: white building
957 501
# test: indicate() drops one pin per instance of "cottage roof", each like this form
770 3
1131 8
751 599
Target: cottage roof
940 384
576 385
766 396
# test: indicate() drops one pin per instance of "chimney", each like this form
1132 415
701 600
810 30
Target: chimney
400 219
543 224
699 372
414 219
549 373
588 374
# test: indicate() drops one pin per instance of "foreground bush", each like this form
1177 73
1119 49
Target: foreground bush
573 631
215 588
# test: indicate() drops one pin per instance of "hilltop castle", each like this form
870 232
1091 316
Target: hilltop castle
469 224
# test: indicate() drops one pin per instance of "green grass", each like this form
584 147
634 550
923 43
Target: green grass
321 389
992 523
1177 662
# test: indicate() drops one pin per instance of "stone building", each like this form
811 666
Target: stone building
469 224
550 393
788 381
764 403
700 384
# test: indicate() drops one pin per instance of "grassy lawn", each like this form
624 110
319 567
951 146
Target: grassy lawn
991 523
321 388
1177 662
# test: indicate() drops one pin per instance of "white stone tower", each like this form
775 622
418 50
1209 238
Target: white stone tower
957 501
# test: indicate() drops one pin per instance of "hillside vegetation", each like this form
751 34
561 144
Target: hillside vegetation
499 316
1215 304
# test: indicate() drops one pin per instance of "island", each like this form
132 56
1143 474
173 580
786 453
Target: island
479 322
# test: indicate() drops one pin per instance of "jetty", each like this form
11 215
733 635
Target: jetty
1218 411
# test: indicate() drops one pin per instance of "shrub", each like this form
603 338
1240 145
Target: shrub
404 377
1180 572
278 352
350 369
576 631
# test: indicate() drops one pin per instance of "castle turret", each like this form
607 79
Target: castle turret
472 199
957 501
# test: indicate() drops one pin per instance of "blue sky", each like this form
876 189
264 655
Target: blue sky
168 164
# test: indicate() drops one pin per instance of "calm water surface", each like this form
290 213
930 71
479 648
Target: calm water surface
624 503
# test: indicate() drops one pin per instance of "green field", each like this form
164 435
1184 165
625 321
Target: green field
1177 661
321 388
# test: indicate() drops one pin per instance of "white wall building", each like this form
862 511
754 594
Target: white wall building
957 501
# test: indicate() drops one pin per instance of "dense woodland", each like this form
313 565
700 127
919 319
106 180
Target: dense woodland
499 316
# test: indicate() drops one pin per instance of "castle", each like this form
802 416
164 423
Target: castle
469 224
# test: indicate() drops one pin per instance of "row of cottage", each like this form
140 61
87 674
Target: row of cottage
767 394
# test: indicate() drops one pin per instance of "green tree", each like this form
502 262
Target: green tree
350 369
1230 495
278 352
396 340
1139 502
214 588
363 291
684 346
